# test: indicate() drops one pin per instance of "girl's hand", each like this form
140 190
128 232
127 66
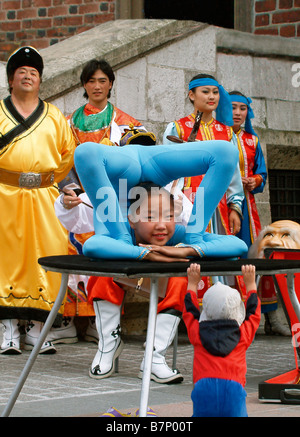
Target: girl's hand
175 253
155 256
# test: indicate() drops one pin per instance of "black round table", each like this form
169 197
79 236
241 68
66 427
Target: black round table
81 265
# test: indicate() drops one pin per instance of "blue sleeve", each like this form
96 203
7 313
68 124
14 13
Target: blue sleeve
260 168
178 235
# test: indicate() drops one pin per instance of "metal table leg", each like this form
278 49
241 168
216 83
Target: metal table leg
32 357
149 347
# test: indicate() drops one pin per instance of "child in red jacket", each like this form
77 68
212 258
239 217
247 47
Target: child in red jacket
221 336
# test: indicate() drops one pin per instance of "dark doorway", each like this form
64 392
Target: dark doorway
285 194
216 12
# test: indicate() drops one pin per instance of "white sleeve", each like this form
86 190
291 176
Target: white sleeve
186 204
170 130
79 219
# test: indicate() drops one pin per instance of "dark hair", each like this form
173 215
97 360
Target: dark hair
148 185
91 68
238 93
200 76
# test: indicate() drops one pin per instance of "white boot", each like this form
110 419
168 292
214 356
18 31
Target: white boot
65 334
91 333
273 326
166 327
11 337
33 330
110 344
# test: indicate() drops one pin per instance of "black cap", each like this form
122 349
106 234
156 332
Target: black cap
24 56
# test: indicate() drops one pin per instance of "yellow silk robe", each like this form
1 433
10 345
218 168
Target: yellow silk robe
29 227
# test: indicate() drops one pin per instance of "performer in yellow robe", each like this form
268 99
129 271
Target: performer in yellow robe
30 164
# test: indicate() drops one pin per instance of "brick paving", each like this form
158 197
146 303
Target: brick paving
59 385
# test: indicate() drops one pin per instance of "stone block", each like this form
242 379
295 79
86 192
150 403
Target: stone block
131 87
235 72
264 212
166 93
3 80
283 115
69 102
273 79
74 100
259 109
195 52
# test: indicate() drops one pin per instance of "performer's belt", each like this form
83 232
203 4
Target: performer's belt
26 180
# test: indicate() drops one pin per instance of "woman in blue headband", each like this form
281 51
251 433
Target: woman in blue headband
252 165
208 96
254 175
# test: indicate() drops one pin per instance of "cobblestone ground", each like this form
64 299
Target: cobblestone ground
59 385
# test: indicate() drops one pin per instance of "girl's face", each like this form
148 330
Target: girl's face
239 112
153 221
205 98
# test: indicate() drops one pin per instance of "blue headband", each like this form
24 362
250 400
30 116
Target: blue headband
250 114
224 109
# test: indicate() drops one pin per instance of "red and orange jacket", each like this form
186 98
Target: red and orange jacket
220 345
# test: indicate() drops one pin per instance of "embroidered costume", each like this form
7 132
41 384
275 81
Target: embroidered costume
90 124
29 227
252 164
